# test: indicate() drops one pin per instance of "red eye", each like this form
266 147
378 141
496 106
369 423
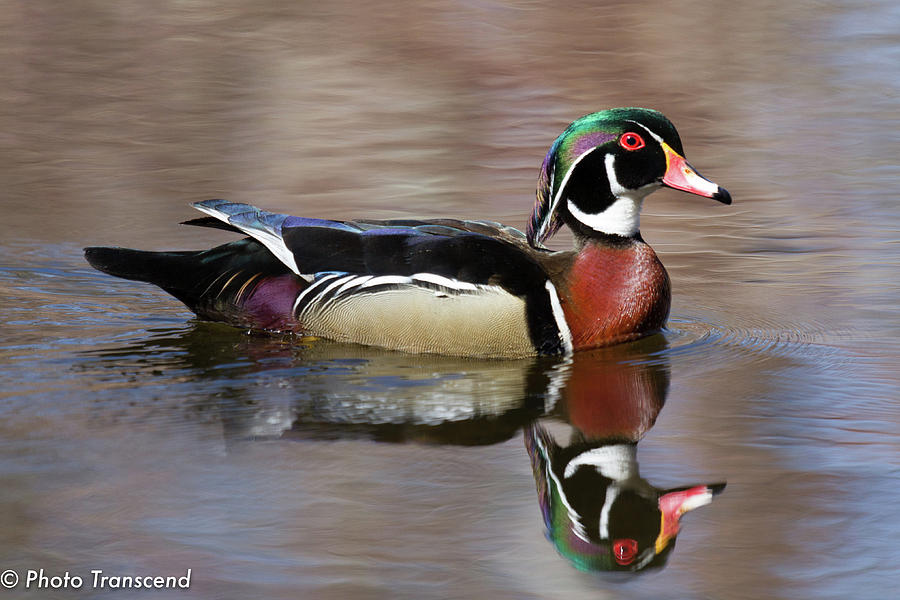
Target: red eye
624 551
631 141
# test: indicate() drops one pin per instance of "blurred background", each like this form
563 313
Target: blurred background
783 349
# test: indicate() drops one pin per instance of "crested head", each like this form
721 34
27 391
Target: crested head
597 173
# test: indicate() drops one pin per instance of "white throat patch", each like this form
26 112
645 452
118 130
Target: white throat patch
623 216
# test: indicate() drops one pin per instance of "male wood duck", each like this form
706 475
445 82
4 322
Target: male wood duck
468 288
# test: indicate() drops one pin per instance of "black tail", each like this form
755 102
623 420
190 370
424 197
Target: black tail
209 282
168 270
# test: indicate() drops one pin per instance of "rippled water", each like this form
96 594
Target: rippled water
138 440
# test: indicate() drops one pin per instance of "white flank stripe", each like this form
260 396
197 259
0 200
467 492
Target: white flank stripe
310 289
346 279
356 281
565 336
385 280
453 284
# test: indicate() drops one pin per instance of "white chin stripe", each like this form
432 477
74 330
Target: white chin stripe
617 462
623 217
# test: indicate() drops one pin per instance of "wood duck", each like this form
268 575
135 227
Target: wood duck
446 286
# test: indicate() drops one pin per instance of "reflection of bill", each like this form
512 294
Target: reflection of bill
598 512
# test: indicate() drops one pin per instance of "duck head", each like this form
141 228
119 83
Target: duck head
598 172
599 512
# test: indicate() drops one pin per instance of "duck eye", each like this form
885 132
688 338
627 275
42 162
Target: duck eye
631 141
625 550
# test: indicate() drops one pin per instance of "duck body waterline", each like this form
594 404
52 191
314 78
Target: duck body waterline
446 286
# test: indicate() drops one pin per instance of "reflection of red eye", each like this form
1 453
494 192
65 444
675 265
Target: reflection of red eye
631 141
625 550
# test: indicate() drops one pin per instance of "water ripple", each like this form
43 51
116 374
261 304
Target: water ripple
761 338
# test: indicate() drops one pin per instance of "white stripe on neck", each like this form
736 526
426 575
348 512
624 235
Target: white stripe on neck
617 461
623 216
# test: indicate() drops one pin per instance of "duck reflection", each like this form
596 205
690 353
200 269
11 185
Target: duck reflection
270 386
356 392
598 511
582 419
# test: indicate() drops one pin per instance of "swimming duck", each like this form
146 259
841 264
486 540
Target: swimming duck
446 286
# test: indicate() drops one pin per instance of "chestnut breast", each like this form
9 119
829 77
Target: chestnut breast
614 293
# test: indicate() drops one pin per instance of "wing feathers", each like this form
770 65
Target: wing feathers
258 224
370 281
